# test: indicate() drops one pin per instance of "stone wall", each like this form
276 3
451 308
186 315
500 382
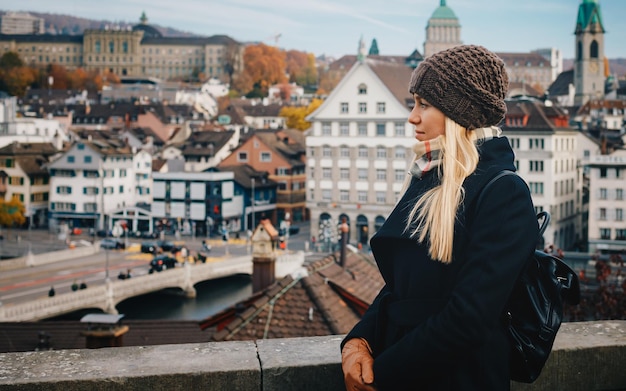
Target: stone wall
587 356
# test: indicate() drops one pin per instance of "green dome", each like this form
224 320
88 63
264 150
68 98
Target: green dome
443 12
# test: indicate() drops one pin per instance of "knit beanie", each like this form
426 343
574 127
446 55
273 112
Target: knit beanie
467 83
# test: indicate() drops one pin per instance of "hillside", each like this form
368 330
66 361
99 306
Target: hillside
72 25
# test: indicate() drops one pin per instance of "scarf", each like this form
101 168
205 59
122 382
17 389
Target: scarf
428 155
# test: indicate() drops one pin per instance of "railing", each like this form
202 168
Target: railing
587 356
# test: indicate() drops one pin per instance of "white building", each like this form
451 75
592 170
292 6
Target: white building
197 201
142 162
359 150
21 23
607 226
92 179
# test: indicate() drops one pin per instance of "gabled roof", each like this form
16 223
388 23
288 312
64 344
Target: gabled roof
26 149
206 143
560 87
33 165
291 152
539 117
142 133
396 77
270 110
327 300
243 174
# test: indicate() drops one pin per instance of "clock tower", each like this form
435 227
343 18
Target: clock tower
589 73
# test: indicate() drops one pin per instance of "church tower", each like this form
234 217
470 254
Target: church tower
443 30
589 75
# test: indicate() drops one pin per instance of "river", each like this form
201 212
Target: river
212 297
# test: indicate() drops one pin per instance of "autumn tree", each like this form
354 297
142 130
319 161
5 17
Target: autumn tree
300 67
11 212
295 115
264 66
15 77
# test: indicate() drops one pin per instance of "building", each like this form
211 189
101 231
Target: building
607 226
21 23
589 75
140 51
90 180
443 30
198 202
282 154
546 152
528 68
359 150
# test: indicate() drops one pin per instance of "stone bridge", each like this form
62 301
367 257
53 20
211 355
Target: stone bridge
107 296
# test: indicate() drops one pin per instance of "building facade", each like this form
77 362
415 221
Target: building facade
589 76
140 51
443 30
21 23
359 151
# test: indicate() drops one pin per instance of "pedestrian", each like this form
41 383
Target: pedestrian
83 285
449 263
51 292
74 286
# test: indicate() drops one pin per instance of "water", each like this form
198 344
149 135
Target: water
212 297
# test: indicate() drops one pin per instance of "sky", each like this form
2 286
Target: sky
334 27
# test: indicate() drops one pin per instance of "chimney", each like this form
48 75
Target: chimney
263 256
103 331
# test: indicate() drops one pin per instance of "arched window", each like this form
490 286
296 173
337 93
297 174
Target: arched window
378 222
593 49
579 51
362 89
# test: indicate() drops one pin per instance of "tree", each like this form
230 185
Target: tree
14 76
10 60
300 67
296 115
11 212
264 66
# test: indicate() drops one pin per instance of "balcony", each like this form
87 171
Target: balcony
587 356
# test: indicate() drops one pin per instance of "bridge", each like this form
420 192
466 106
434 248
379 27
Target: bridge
107 296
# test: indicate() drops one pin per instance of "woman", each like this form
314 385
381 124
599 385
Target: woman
448 263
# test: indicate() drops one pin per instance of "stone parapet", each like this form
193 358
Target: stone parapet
587 356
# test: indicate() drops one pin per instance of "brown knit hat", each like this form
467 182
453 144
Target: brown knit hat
467 83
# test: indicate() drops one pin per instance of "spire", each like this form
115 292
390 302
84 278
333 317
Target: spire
144 18
362 51
443 3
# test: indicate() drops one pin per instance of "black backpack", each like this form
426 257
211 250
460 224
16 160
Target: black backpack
534 310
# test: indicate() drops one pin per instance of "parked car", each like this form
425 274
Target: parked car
166 245
149 247
161 262
112 244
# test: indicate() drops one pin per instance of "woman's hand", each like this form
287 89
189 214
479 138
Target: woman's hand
357 364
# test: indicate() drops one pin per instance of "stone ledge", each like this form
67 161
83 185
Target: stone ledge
587 356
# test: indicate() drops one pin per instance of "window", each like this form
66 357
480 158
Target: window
90 190
16 180
603 193
123 173
619 214
343 108
380 197
87 159
620 234
344 129
242 157
514 143
536 187
362 196
90 174
619 194
399 175
381 175
362 173
266 157
326 195
344 173
121 189
362 151
362 107
326 129
344 196
326 173
89 207
381 152
400 152
70 159
380 107
362 89
380 130
326 151
536 143
64 190
603 172
399 129
602 215
362 129
536 166
605 233
344 151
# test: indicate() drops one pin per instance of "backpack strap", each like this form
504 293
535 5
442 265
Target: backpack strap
544 216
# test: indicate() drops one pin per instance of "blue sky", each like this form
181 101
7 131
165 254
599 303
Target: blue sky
334 27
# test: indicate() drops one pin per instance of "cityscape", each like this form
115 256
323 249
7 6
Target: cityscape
159 189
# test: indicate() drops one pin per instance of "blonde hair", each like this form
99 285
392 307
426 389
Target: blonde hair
434 213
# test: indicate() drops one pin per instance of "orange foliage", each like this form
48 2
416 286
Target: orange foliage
264 66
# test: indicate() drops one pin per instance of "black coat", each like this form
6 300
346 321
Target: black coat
437 326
